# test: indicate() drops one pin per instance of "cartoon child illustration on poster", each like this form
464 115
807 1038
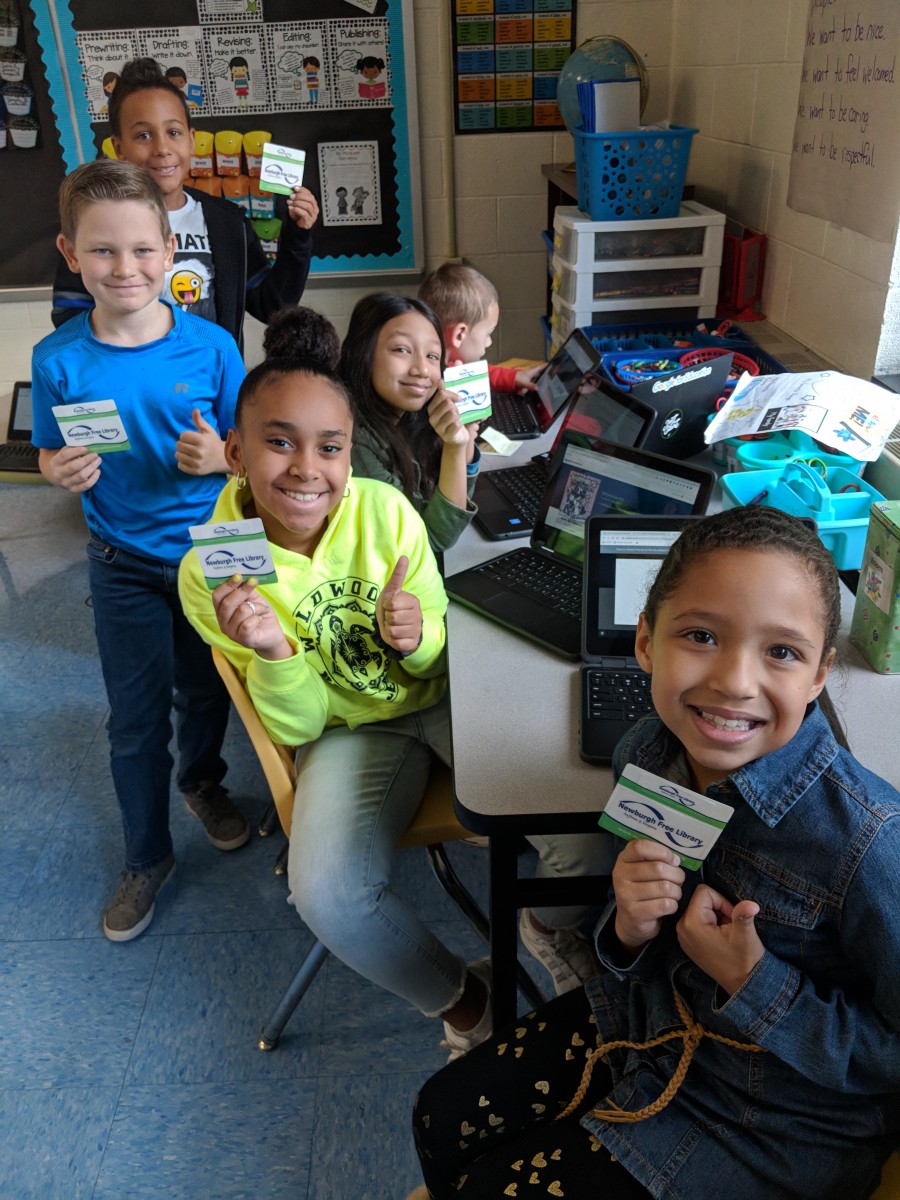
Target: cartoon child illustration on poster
341 194
110 79
240 78
371 67
311 67
360 195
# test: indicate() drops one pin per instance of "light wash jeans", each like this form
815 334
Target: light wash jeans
357 793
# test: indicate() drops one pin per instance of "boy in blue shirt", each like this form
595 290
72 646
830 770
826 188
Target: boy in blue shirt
174 379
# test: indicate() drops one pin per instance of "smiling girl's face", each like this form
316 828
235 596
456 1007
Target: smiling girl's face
406 363
294 446
737 653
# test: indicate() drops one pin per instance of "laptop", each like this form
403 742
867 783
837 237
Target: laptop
536 590
509 498
530 415
17 455
622 556
683 403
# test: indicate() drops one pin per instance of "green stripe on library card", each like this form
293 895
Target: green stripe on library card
644 805
281 169
93 425
227 548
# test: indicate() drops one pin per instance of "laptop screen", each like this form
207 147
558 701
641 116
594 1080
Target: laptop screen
602 411
623 557
21 421
605 479
558 382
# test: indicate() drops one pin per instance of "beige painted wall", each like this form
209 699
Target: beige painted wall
730 67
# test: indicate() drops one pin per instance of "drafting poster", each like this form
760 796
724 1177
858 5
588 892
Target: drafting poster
179 53
102 56
361 63
349 177
300 70
507 55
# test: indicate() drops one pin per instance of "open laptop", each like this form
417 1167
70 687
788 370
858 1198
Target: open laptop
536 590
17 455
622 556
509 498
530 415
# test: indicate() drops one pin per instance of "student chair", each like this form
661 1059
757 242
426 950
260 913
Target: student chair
434 824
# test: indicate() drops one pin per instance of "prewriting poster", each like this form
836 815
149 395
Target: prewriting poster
507 55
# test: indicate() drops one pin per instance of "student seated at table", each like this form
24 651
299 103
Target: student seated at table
344 657
407 430
743 1039
468 308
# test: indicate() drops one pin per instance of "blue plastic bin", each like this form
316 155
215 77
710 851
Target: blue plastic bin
632 176
842 516
792 445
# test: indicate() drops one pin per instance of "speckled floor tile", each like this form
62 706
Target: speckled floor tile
363 1146
52 1141
222 987
19 851
70 1010
220 1140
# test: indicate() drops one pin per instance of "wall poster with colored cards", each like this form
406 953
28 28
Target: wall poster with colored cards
338 83
507 55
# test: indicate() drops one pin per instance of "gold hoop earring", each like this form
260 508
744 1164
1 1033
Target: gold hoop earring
346 491
241 481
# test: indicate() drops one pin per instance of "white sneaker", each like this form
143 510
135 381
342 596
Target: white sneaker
566 953
459 1041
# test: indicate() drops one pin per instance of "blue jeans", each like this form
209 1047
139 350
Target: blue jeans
357 793
147 649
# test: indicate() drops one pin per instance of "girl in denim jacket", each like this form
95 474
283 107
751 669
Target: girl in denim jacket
743 1041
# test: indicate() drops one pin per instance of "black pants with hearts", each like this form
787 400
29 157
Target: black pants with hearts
484 1125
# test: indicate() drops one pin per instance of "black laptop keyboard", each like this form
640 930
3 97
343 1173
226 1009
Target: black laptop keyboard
524 487
555 584
510 414
18 456
617 695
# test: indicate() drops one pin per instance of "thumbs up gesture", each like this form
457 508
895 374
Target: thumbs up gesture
721 937
399 613
200 451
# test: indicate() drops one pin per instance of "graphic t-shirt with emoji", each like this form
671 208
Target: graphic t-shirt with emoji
190 284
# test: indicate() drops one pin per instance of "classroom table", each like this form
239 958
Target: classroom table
514 714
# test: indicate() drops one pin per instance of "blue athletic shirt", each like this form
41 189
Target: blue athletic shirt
142 502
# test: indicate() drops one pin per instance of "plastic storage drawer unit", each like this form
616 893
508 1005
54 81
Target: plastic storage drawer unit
693 238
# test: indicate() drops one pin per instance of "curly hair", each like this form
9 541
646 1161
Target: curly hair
752 528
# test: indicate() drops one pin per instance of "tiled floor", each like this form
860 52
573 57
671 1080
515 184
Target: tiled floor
131 1070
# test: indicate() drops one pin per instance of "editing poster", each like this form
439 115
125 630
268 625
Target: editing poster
300 67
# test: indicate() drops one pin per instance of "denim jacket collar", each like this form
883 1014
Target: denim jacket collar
771 785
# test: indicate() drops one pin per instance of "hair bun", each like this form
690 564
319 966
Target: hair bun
301 333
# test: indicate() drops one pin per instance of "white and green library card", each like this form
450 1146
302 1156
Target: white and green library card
471 384
281 169
227 548
94 425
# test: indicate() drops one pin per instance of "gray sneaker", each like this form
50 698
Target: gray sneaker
566 953
132 906
226 826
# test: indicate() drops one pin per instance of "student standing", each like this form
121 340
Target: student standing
747 1020
174 379
219 268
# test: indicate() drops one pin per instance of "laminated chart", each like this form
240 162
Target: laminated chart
507 55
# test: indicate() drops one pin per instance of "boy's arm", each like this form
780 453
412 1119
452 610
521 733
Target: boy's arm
270 288
513 379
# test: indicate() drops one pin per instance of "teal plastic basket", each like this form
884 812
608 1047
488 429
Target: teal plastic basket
839 503
632 176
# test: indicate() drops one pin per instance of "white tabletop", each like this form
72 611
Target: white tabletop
515 705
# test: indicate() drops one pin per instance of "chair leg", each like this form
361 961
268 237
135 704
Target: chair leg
462 897
299 985
269 822
281 860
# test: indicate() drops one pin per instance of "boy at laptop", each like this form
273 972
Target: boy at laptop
174 380
468 307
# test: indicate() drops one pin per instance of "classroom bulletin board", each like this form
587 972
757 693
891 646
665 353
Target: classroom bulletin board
844 161
338 83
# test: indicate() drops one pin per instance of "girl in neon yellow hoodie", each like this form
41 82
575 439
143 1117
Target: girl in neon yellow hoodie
344 657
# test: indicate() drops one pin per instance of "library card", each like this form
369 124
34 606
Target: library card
643 805
95 425
472 386
281 169
228 548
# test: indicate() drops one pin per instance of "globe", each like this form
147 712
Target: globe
599 58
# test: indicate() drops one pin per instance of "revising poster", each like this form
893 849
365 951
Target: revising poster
507 55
